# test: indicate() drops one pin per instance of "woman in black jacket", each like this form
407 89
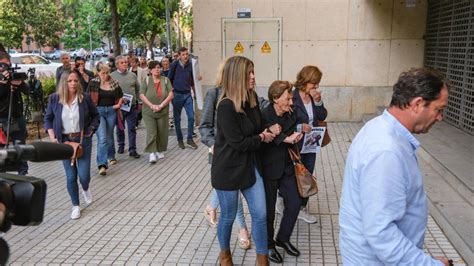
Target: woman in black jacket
309 109
278 169
240 134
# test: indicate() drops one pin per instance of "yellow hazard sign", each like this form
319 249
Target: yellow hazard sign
238 49
266 49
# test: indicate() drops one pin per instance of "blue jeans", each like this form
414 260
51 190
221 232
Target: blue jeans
18 136
308 160
255 196
81 168
179 101
105 135
131 118
214 203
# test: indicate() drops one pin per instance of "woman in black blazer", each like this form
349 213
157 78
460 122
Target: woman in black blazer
309 109
278 169
239 135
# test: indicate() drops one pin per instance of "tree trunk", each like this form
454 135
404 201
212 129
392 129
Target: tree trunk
150 44
115 27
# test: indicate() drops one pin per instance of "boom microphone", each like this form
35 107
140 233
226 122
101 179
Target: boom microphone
36 152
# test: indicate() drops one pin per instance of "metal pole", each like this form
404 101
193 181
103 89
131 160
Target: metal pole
168 30
90 40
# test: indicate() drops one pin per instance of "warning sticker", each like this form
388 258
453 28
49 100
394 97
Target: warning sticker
266 49
238 49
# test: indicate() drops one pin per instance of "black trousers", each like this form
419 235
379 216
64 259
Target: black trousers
286 186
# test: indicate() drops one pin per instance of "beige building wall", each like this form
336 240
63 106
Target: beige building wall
361 46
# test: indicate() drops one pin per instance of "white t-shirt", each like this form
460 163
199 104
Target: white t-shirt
309 110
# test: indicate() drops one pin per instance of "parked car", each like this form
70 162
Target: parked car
43 66
54 55
99 52
11 51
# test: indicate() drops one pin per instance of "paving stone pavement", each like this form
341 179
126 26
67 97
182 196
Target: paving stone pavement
153 214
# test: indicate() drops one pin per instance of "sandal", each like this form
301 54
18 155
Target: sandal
211 216
244 242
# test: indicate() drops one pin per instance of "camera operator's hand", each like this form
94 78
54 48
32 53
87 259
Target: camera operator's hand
6 74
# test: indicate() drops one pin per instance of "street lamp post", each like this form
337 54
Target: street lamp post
90 39
168 30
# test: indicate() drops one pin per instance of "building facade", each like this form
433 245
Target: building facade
361 46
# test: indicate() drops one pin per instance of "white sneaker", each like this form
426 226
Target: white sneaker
160 155
87 196
279 206
76 212
152 158
306 216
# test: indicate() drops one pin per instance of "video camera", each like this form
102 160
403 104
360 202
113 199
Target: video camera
24 196
14 75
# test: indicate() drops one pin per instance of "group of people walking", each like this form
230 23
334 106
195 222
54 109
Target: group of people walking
85 104
249 139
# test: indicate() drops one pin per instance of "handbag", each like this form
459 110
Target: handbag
305 181
77 147
326 138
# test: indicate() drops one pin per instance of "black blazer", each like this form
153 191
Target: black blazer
236 146
319 112
274 155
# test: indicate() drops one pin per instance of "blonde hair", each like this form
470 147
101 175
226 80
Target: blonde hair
308 74
235 76
63 91
102 67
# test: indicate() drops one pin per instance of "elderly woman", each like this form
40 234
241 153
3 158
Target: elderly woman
308 112
107 96
278 169
72 116
239 135
156 94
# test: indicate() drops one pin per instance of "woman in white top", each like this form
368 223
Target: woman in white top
72 116
309 109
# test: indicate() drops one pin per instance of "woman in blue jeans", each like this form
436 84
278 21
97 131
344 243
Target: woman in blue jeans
107 96
240 134
71 116
207 129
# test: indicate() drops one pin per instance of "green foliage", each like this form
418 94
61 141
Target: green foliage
42 21
49 85
142 19
11 28
80 16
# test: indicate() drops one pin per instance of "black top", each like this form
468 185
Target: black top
274 155
17 101
106 98
236 146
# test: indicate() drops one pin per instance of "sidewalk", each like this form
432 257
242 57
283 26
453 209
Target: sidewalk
153 214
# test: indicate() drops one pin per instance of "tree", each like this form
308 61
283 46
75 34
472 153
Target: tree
77 32
11 28
142 20
115 26
42 21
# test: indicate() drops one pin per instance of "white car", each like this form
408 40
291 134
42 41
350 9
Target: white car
43 66
98 52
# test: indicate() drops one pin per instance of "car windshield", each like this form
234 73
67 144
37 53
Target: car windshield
29 59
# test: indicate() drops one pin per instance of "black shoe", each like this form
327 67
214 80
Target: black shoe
274 255
288 247
181 144
120 150
134 155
